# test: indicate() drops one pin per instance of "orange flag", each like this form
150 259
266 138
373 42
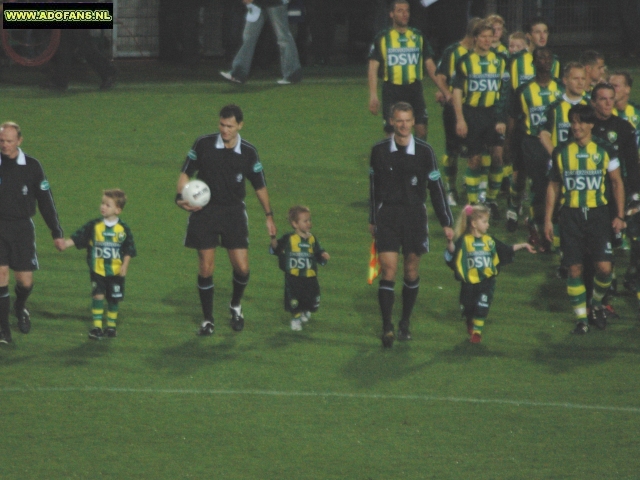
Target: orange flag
374 263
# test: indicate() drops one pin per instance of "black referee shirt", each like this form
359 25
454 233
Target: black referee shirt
22 185
224 169
401 176
620 136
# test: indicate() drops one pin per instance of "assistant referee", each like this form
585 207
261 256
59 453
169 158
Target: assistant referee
402 168
23 184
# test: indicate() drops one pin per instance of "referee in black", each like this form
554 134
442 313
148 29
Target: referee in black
402 169
223 161
22 185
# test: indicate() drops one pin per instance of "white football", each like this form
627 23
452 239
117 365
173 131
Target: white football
197 193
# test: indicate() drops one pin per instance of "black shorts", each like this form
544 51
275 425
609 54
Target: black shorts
226 226
453 143
475 298
412 94
112 287
585 231
18 245
402 227
301 294
481 129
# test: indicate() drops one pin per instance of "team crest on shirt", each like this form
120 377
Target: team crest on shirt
25 190
612 136
634 119
120 236
414 181
596 158
293 303
239 177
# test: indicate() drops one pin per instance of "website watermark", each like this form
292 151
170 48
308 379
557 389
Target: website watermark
57 15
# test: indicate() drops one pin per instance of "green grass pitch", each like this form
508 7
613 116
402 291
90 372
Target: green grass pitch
530 402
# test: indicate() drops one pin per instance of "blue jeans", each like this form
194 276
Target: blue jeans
289 61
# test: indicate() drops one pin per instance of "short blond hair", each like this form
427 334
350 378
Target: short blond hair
13 125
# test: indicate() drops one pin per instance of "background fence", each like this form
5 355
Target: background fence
137 31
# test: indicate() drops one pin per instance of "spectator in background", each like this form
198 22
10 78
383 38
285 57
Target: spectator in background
79 43
276 10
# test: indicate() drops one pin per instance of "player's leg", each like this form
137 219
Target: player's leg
578 297
475 142
115 294
410 289
292 302
600 247
239 258
573 251
472 178
416 100
481 309
24 285
450 158
5 302
517 187
97 313
388 268
206 288
98 292
495 179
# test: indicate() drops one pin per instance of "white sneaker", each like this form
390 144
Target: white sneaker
451 198
230 77
305 317
296 324
284 81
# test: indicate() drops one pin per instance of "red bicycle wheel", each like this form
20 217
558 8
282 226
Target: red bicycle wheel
30 47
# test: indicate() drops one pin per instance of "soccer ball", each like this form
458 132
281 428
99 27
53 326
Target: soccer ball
197 193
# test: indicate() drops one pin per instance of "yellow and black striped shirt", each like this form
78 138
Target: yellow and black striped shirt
531 103
557 119
521 68
299 256
582 172
401 55
450 57
481 77
106 245
478 258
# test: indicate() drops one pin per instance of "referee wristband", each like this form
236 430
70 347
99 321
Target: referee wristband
620 218
268 214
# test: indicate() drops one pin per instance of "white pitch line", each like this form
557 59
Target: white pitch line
364 396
